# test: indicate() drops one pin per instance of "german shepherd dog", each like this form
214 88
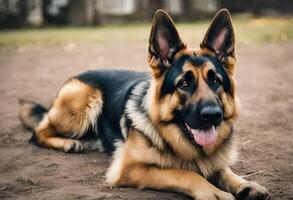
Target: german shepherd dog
168 129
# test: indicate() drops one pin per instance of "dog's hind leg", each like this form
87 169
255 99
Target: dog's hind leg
74 111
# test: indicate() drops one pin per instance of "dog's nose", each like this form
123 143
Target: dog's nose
211 114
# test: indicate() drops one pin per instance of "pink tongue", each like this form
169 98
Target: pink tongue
204 137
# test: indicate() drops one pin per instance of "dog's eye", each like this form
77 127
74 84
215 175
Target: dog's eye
183 84
217 81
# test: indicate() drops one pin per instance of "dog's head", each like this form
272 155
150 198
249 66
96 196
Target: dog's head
193 89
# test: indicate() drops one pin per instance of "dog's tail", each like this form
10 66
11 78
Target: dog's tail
31 113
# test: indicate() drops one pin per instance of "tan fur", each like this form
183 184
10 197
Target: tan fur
183 52
230 181
24 115
150 168
203 91
154 62
75 109
168 104
46 136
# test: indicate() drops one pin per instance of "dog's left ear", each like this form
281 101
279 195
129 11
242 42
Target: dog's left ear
220 36
164 41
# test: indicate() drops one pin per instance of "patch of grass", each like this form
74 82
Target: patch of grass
247 30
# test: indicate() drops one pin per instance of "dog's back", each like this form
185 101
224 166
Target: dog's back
91 103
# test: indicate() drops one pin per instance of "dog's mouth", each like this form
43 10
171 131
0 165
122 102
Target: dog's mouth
203 137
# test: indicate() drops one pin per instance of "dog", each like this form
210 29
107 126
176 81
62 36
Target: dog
169 129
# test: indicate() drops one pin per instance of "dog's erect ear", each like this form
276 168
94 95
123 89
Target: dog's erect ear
220 35
164 40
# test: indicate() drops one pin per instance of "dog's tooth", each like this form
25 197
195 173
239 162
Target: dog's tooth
194 131
187 126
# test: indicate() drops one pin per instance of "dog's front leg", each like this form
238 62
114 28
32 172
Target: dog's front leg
240 187
188 182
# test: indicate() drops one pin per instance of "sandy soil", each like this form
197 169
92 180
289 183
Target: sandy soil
265 76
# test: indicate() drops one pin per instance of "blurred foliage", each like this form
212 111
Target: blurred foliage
248 30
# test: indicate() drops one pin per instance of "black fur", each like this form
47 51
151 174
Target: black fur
220 69
175 70
36 113
116 86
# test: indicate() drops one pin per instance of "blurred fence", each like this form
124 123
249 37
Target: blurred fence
19 13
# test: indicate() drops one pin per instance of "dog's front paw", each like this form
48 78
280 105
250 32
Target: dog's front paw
252 191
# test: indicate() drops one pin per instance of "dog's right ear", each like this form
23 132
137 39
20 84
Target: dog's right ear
164 42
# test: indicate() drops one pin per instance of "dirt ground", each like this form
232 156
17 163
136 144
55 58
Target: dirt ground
264 130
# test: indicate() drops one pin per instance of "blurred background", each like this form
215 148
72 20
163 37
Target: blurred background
26 22
44 42
19 13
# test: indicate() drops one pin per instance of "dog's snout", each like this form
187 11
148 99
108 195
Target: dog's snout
212 114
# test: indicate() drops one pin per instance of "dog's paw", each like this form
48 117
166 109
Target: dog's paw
225 196
72 146
214 195
252 191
